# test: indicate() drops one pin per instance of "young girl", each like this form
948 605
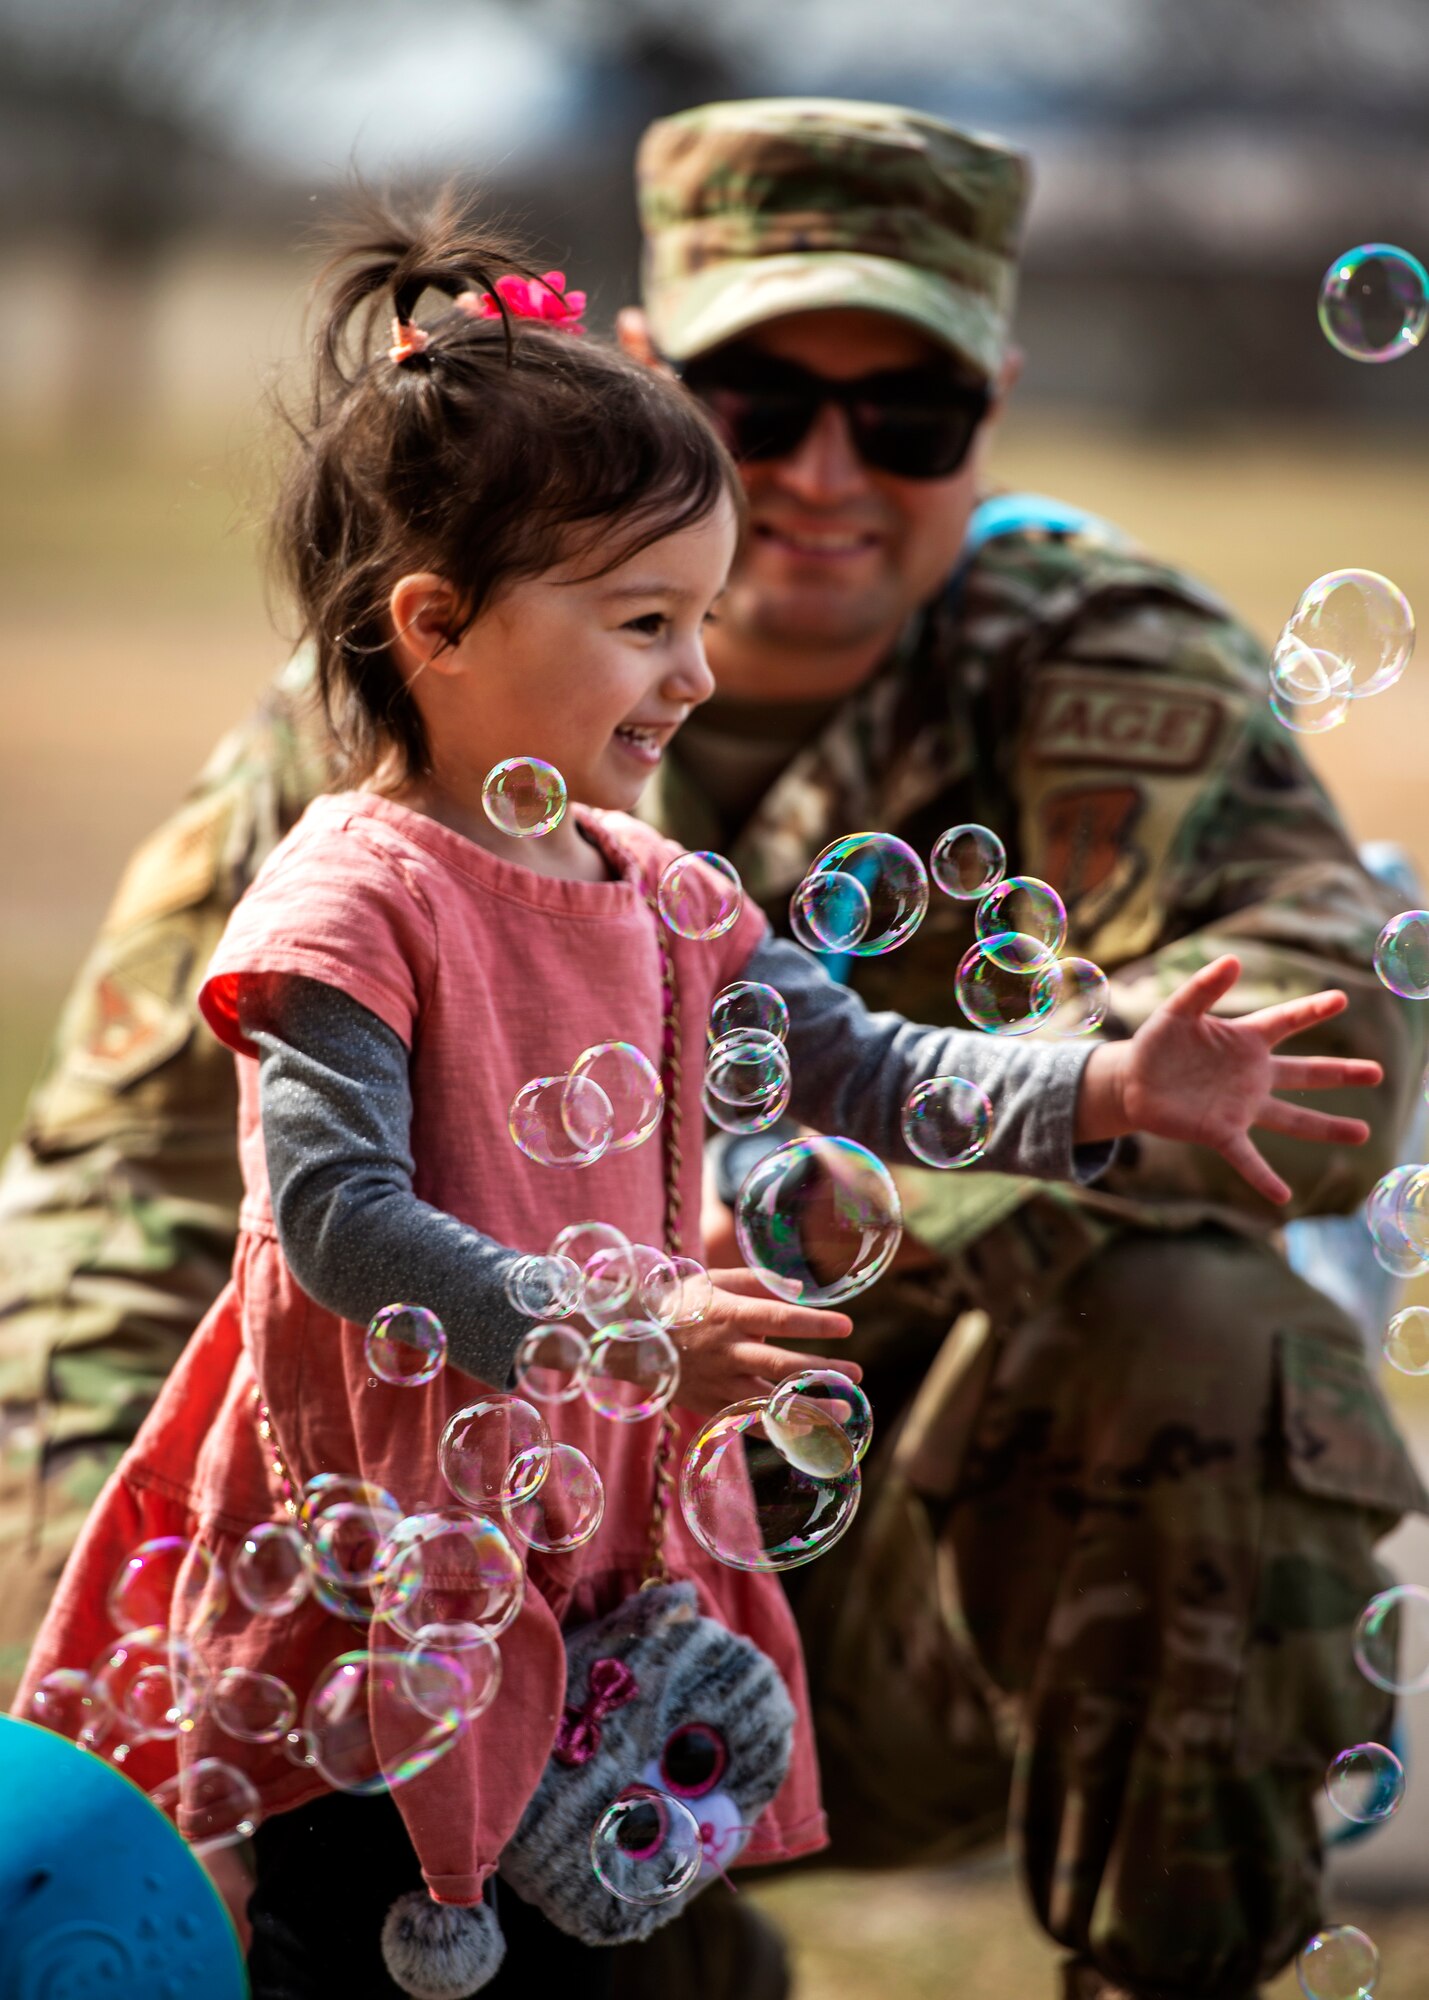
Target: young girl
505 542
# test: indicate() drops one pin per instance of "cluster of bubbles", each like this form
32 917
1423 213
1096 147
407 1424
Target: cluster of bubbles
609 1101
1350 636
747 1075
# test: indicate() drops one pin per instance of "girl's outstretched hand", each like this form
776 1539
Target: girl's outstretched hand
1186 1074
728 1355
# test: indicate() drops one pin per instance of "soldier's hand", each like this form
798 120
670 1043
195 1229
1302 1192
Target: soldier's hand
1185 1074
728 1355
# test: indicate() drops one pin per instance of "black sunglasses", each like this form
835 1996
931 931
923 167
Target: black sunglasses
918 423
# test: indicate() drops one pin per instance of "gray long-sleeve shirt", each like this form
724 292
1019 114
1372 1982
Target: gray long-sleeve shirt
337 1111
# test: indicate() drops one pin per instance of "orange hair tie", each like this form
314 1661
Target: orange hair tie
407 340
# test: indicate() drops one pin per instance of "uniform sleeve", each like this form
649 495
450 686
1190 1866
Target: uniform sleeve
337 1113
1181 821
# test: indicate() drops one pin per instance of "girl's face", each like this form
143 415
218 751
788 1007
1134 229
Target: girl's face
593 674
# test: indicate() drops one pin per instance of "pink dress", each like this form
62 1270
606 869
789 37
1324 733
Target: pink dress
491 975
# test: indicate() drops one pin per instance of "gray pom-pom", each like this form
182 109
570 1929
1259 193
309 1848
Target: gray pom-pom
441 1951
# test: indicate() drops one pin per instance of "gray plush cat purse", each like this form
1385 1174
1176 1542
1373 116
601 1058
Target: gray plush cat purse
661 1704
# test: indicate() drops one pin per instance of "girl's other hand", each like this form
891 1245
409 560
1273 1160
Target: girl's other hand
1185 1074
729 1354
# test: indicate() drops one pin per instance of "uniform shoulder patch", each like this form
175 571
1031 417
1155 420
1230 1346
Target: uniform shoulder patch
1132 722
175 867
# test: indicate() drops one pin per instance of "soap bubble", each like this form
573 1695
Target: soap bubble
634 1371
746 1067
544 1287
169 1581
328 1490
1080 997
632 1083
406 1346
997 985
561 1121
646 1847
749 1505
346 1543
449 1666
580 1240
894 878
366 1734
699 896
968 861
66 1702
220 1806
1365 1783
524 797
269 1571
638 1283
818 1220
758 1116
833 1396
1391 1643
1309 714
480 1447
830 911
1340 1963
1022 904
748 1003
448 1567
1305 676
947 1121
1362 621
1401 955
1406 1341
1399 1198
254 1707
1374 302
695 1294
153 1680
552 1363
567 1510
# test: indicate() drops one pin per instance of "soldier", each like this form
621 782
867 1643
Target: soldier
1121 1519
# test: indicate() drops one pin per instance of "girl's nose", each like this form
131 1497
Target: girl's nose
690 679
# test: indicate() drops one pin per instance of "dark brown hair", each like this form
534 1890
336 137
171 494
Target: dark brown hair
499 449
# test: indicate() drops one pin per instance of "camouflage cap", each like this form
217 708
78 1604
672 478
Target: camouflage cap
797 204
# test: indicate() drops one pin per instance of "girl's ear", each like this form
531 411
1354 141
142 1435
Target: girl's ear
426 621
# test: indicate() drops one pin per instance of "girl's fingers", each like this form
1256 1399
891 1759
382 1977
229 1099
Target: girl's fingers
772 1319
775 1365
1291 1017
1253 1167
1296 1122
1204 988
1323 1073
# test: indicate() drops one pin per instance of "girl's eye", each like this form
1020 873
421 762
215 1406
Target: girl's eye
693 1760
652 623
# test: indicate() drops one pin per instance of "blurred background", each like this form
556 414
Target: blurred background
162 166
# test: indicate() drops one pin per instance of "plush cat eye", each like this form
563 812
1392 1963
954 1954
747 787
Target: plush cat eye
693 1760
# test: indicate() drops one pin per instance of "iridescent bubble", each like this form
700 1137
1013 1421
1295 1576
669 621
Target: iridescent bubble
544 1287
1310 718
481 1445
967 861
747 1069
1374 302
269 1571
1361 621
66 1702
1406 1341
451 1665
634 1371
1404 1226
153 1680
253 1707
346 1543
632 1083
1080 997
1391 1643
749 1505
561 1121
340 1489
552 1364
834 1397
757 1116
451 1568
1306 677
366 1735
1022 904
700 896
894 878
1365 1783
580 1240
638 1283
947 1121
830 911
646 1848
406 1346
524 797
997 985
170 1581
1401 955
213 1802
818 1220
748 1003
567 1510
1340 1963
695 1294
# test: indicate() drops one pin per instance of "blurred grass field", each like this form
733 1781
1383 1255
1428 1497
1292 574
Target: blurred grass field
137 631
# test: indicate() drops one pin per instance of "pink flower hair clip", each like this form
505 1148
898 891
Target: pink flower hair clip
407 339
544 298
